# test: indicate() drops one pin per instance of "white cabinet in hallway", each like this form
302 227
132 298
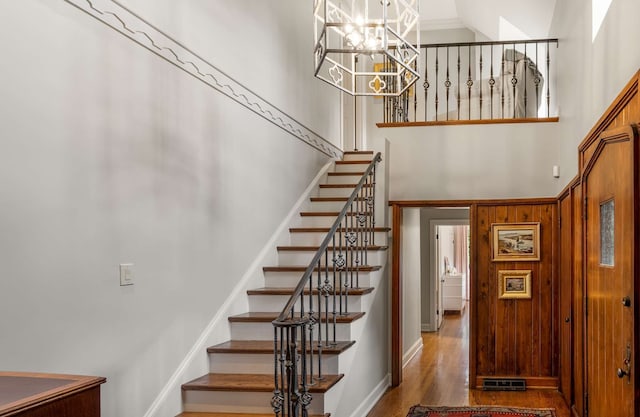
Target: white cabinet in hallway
452 290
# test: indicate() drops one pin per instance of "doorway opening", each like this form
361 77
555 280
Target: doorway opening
448 267
435 271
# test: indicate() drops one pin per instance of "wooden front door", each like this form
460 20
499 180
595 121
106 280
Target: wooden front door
609 182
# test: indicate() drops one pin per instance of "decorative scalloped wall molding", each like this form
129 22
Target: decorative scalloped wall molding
121 19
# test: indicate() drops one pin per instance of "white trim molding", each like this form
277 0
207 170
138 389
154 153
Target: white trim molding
413 351
134 27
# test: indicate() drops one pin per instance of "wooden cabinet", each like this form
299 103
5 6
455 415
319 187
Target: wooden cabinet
48 395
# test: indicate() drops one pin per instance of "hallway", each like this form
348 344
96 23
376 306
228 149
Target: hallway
439 375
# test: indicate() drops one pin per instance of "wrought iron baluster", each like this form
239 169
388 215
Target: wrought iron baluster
492 81
514 81
548 83
425 85
414 91
308 330
480 78
502 77
537 83
437 83
526 68
447 84
458 67
469 83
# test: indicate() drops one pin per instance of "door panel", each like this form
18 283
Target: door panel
566 280
609 275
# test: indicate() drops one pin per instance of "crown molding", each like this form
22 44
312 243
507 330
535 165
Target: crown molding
134 27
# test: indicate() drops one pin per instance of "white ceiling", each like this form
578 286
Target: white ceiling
495 19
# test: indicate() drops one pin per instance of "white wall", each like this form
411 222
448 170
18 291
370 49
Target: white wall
596 71
411 258
110 155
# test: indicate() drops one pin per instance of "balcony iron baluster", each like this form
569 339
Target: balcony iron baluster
458 82
502 89
514 81
480 82
492 81
548 76
537 82
525 81
437 84
447 84
426 82
469 82
415 94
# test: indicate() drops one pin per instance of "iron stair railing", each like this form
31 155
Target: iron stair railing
480 81
307 323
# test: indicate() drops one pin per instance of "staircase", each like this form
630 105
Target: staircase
240 381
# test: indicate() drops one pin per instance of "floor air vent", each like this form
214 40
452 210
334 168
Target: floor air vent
504 384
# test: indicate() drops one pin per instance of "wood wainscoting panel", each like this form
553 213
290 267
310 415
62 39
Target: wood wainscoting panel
516 337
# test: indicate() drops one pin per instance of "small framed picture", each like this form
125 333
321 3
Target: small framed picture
516 241
514 284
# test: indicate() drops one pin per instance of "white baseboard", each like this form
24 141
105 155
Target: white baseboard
373 398
427 327
172 389
413 350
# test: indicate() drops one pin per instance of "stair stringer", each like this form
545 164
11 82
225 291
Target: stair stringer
168 401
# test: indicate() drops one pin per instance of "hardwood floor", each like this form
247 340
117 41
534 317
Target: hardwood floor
439 375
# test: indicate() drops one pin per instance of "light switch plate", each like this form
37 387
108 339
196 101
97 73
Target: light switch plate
126 274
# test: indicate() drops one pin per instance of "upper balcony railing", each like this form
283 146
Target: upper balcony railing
479 82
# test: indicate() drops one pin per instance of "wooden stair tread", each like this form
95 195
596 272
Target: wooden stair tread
289 291
250 383
327 213
364 162
266 347
332 199
343 185
195 414
345 174
357 153
315 248
269 316
326 229
303 268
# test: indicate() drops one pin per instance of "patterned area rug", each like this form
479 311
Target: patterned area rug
427 411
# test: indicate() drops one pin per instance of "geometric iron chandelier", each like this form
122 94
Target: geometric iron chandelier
376 31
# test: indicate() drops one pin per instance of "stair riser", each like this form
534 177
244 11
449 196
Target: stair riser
277 302
316 238
291 279
304 258
344 179
264 331
317 221
240 363
350 167
239 402
335 192
358 157
332 206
